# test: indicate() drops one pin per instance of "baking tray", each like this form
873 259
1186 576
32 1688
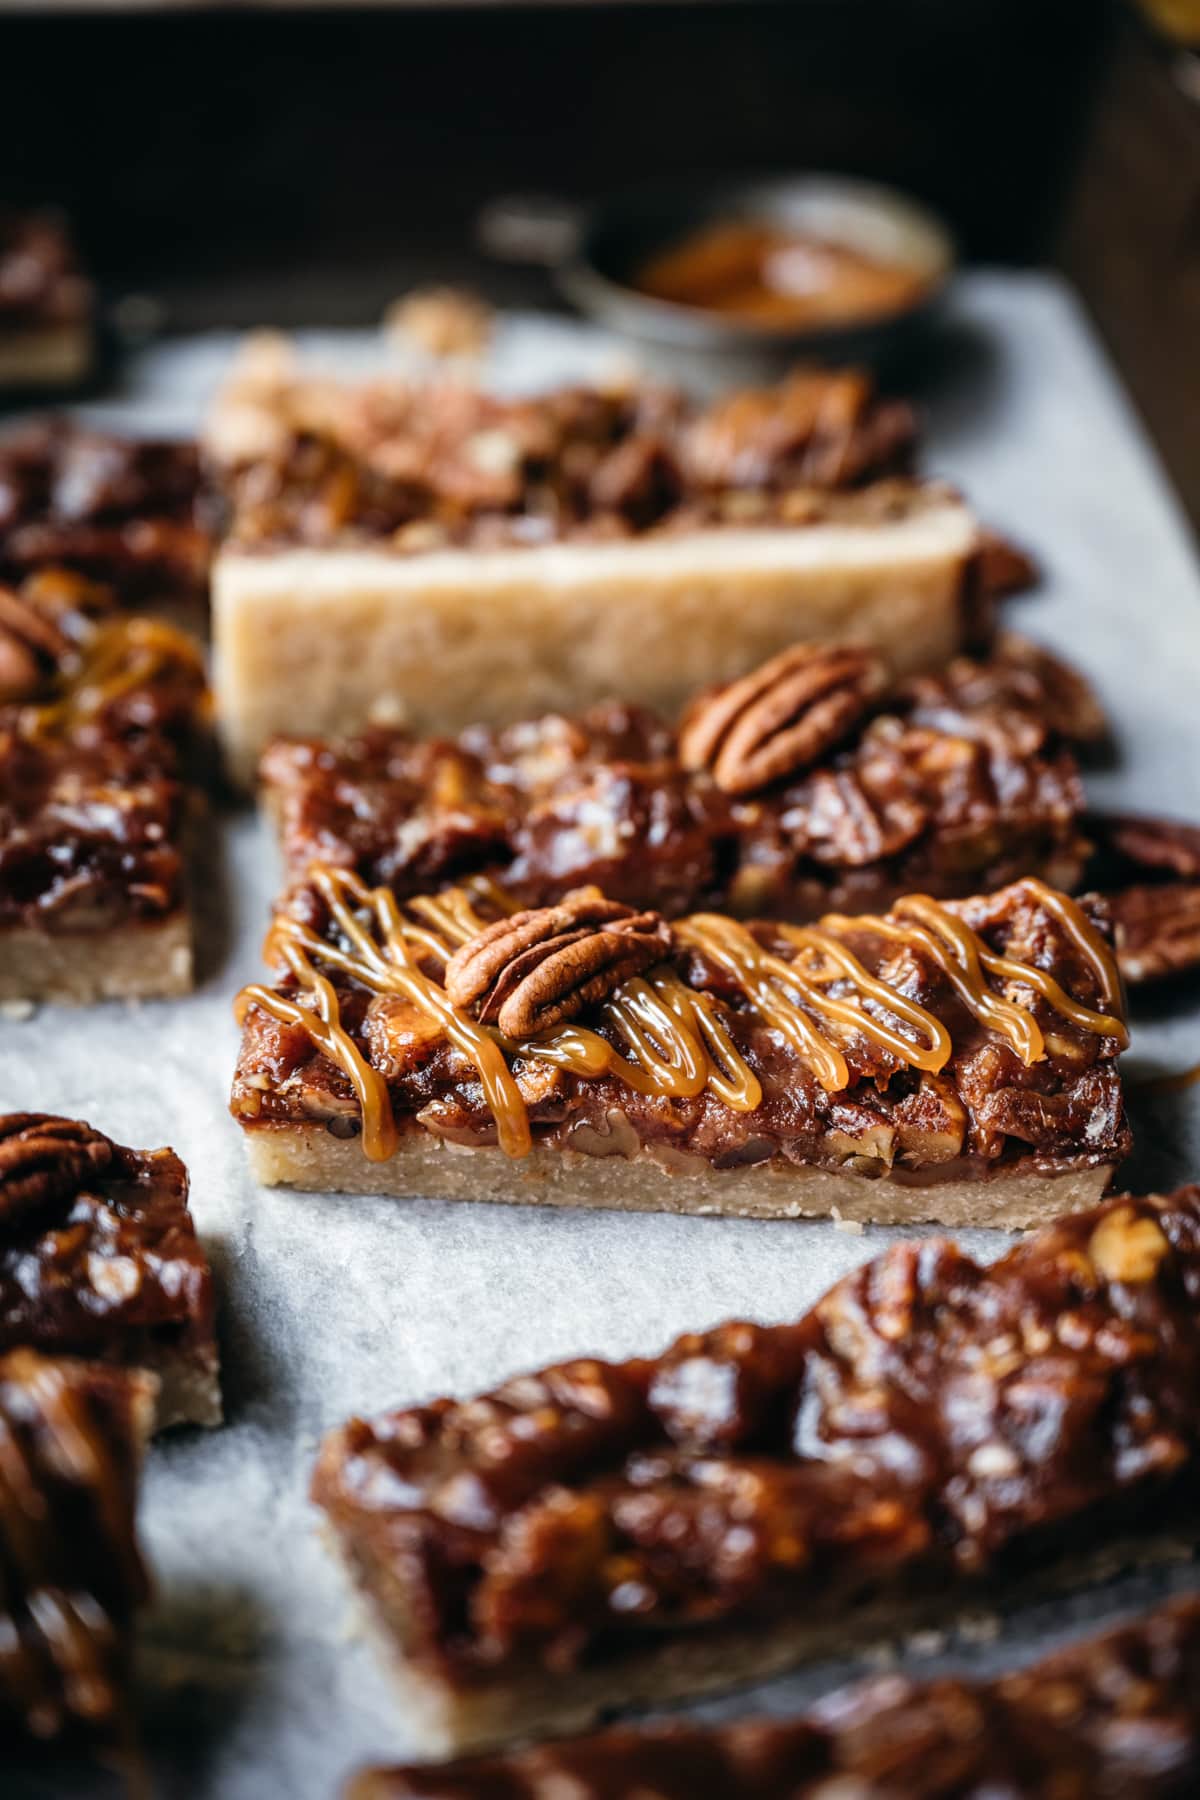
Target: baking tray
256 1677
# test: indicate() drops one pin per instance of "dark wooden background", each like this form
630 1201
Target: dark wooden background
304 167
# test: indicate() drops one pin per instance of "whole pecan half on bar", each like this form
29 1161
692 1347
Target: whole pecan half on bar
781 717
31 646
43 1159
537 969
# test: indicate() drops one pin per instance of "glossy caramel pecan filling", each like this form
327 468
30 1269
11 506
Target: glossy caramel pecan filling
105 712
98 1253
927 1035
420 467
953 784
127 511
931 1424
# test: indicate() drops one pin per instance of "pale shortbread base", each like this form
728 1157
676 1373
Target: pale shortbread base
38 356
76 968
309 1157
320 641
189 1389
446 1721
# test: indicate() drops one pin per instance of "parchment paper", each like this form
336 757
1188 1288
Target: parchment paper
257 1680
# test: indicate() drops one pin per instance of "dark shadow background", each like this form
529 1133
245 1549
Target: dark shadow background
303 167
218 156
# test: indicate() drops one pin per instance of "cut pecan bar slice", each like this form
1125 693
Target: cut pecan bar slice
596 1534
948 1061
614 541
103 731
1114 1714
99 1258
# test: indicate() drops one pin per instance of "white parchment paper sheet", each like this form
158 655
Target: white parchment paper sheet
257 1680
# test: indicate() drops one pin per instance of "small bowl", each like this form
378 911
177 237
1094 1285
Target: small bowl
596 252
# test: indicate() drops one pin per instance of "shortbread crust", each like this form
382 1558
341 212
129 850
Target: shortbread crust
328 638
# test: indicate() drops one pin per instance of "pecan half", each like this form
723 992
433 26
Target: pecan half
44 1158
31 646
1128 845
781 717
540 968
1156 926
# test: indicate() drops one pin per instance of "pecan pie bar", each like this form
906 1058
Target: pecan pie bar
950 1061
45 305
933 1435
99 714
99 1258
1115 1716
71 1435
448 557
811 785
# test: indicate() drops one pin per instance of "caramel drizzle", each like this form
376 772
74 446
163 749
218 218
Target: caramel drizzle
386 966
121 656
679 1042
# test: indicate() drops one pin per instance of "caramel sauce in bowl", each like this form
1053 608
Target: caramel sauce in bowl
777 278
819 265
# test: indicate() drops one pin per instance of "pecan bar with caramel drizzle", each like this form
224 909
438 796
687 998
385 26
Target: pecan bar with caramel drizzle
811 785
100 713
949 1061
453 558
71 1578
1115 1716
99 1258
935 1434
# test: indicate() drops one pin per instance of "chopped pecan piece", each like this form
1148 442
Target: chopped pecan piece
537 969
43 1158
819 427
781 717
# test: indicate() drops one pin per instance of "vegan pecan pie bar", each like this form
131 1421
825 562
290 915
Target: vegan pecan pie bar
70 1436
952 1061
448 557
935 1434
813 784
99 1258
99 714
46 336
1114 1715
